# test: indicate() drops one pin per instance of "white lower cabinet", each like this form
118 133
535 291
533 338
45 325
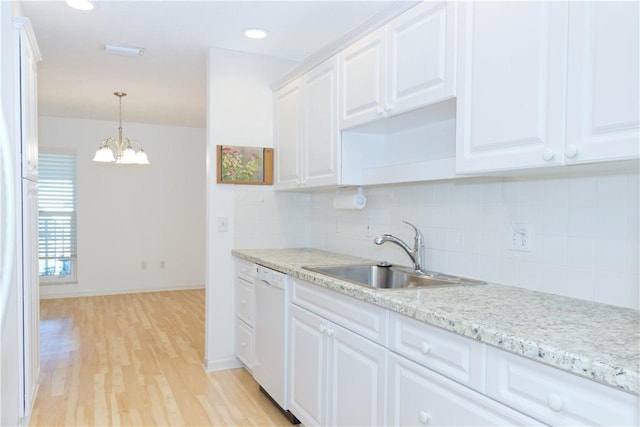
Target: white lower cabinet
360 364
245 312
420 396
336 376
556 397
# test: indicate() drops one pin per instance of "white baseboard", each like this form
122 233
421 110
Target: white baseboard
222 365
73 293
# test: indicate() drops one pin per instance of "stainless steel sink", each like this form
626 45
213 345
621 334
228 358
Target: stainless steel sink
390 277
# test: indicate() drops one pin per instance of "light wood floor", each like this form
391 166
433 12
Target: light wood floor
136 360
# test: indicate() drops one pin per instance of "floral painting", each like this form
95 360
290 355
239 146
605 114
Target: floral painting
245 165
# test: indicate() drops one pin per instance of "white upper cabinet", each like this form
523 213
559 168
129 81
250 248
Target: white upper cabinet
320 131
603 81
546 83
405 65
421 56
28 96
306 130
288 136
511 79
361 84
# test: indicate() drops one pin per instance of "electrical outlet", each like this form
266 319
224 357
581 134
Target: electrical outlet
520 237
370 228
223 224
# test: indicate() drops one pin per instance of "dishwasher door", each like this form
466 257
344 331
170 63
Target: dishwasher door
270 369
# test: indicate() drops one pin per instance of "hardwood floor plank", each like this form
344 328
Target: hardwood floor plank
136 360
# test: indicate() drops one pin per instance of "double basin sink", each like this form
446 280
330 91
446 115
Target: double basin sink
384 276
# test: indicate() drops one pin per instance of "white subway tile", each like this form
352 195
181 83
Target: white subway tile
610 255
580 283
555 221
580 252
582 191
581 222
612 190
554 279
554 250
611 222
610 288
556 192
530 275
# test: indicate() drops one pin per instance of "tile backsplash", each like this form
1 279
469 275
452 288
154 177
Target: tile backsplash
584 229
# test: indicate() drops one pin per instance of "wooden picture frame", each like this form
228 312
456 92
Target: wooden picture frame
244 165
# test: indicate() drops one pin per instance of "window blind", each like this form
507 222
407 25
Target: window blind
57 206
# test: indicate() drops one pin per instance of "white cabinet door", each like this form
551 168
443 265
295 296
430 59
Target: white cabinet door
361 80
307 367
510 86
28 101
30 291
287 136
356 382
603 81
320 125
336 376
419 396
421 56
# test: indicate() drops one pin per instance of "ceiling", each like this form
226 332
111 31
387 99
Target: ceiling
167 85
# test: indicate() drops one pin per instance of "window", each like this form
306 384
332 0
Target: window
57 218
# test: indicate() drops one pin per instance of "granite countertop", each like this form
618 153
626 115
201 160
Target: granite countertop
597 341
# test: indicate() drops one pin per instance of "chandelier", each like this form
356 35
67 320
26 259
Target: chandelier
125 154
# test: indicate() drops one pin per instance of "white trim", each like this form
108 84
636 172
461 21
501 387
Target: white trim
72 293
222 364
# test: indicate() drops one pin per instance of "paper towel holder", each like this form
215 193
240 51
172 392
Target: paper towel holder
351 200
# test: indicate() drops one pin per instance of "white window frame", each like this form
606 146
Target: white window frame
73 277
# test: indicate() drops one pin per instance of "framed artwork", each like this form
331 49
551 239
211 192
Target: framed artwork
245 165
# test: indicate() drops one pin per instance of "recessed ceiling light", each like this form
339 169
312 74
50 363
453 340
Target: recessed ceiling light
80 4
255 33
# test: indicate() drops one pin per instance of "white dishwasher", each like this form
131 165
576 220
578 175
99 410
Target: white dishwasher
270 368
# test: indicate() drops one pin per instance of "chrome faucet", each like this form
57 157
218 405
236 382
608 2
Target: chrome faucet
416 254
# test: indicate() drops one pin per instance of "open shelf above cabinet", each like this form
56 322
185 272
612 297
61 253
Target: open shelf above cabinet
414 146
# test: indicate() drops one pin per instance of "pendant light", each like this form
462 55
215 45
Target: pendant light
124 154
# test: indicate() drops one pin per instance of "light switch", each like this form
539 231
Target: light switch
223 224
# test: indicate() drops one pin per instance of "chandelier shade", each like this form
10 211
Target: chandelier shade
120 150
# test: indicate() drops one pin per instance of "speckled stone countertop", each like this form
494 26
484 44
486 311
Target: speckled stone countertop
597 341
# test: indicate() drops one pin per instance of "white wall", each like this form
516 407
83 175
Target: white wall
127 215
240 113
584 231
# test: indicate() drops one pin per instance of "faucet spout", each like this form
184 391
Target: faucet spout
416 254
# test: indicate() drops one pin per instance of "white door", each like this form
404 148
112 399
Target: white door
287 136
361 85
356 384
320 130
511 80
421 55
307 367
603 83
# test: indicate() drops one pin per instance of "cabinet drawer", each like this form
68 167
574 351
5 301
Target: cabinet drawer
419 396
556 397
246 270
365 319
244 343
244 301
457 357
